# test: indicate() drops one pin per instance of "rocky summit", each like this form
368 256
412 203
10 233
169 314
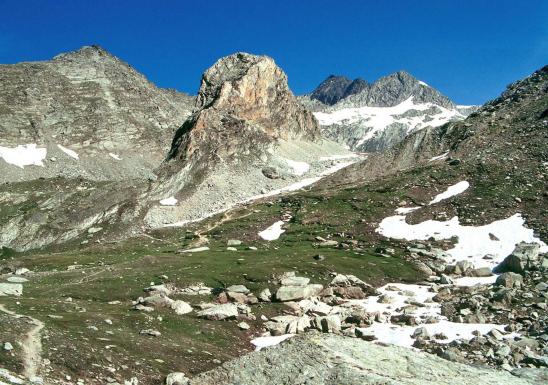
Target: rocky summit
374 117
244 104
242 236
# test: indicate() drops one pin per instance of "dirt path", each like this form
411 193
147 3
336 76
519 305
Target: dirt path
227 216
31 344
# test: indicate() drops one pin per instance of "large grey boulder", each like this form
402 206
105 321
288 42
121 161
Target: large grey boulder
334 360
220 312
292 293
524 257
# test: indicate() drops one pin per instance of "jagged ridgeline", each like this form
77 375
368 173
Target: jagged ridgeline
374 117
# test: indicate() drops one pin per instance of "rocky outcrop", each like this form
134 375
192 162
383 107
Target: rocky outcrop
335 88
244 105
334 360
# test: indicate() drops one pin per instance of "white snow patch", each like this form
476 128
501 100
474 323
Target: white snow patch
338 157
406 210
24 155
68 151
473 281
273 232
114 156
423 83
171 201
400 334
451 191
263 342
474 242
442 156
299 168
378 118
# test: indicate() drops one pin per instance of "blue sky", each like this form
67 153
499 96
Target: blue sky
469 50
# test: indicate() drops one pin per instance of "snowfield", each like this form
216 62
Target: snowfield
379 118
24 155
451 191
273 232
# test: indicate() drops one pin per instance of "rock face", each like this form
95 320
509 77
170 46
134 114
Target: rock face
335 360
94 104
374 117
243 104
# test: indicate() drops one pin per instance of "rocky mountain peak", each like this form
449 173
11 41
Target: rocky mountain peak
243 100
331 90
88 53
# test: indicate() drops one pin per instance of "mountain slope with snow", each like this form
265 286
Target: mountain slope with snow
374 117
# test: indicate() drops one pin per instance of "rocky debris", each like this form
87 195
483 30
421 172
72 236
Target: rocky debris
158 296
233 242
524 257
265 295
515 300
510 280
243 325
177 378
199 289
344 361
351 287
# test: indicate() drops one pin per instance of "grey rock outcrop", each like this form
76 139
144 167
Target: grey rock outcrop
244 104
335 360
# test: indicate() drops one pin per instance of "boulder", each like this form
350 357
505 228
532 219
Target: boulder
219 312
510 280
233 242
181 307
295 281
15 289
331 323
292 293
177 378
265 295
524 257
238 289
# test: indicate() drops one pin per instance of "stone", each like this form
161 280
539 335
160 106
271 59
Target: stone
265 295
8 346
481 272
329 243
233 242
177 378
21 271
243 325
15 289
236 297
446 280
462 267
219 312
181 307
238 289
510 280
292 293
150 332
524 257
295 281
421 332
331 323
231 249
